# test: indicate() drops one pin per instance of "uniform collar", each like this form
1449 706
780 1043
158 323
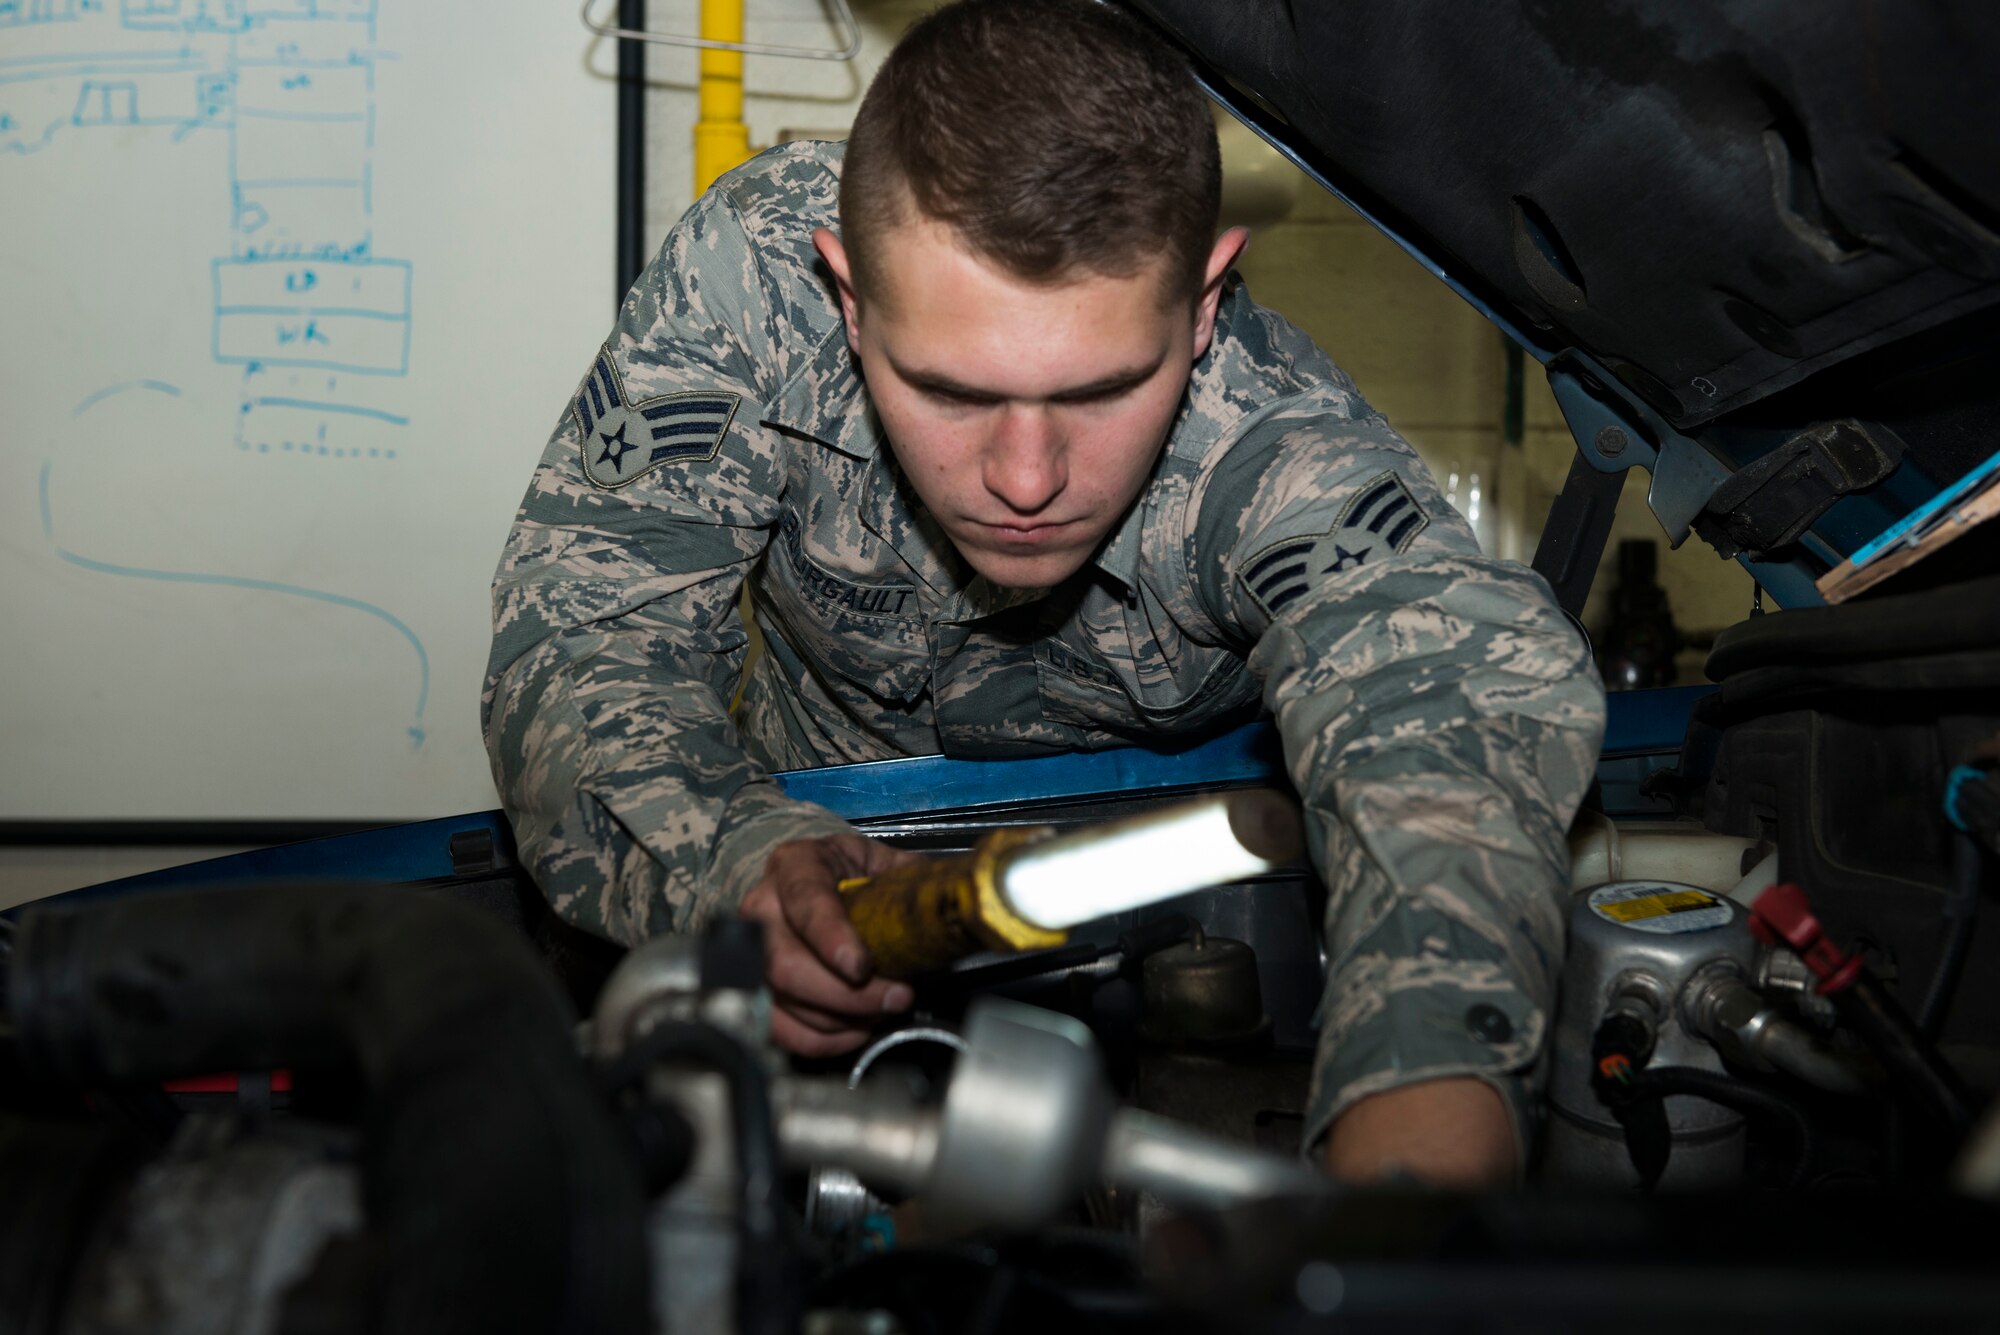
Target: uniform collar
1119 556
825 399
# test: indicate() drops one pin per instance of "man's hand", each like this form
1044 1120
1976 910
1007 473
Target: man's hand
818 970
1451 1133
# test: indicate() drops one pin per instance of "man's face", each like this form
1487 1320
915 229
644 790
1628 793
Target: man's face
1028 416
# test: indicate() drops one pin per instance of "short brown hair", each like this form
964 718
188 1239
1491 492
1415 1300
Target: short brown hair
1054 136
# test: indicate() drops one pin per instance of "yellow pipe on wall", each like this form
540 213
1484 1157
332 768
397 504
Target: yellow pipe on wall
721 139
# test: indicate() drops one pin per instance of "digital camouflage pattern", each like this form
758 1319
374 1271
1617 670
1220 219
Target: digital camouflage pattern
1290 554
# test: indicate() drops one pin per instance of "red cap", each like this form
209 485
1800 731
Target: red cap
1781 916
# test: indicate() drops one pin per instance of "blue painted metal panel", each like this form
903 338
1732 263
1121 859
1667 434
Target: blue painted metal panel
1637 721
937 783
1648 721
1640 723
397 853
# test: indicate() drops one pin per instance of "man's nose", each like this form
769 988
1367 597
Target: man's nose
1026 465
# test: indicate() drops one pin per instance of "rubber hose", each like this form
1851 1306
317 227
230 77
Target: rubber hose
1663 1081
1961 912
1964 616
503 1192
1912 1060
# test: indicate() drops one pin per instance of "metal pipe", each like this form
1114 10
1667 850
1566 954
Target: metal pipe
631 240
664 968
721 139
879 1136
843 23
1796 1050
1188 1169
1731 1014
1027 1123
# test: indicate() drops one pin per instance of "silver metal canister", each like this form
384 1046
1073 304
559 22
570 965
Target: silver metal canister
1633 947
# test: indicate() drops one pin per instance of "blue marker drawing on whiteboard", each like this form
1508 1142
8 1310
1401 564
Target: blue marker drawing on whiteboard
110 391
334 315
301 302
416 729
291 83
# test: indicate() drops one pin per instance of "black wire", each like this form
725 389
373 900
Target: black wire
1961 911
1662 1081
767 1291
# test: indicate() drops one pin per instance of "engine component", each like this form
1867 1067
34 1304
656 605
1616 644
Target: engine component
1834 735
1782 914
1027 1124
1021 889
1781 972
1024 1120
1203 993
765 1296
1972 805
685 1021
1175 1163
838 1204
213 1234
1633 947
1749 1031
1602 850
462 1040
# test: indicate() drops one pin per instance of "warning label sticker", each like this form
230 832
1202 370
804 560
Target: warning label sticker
1660 907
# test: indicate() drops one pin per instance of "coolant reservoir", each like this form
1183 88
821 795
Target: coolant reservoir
1603 850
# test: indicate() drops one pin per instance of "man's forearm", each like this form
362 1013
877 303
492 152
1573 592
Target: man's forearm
1452 1133
635 811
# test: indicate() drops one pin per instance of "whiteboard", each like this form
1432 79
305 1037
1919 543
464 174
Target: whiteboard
291 295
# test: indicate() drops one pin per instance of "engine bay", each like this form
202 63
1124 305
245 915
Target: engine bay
1764 1102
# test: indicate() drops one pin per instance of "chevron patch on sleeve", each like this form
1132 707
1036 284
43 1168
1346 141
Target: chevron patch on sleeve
1381 519
622 441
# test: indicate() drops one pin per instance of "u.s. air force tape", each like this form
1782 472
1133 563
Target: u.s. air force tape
1380 520
622 441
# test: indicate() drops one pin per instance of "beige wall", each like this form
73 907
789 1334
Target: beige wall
30 872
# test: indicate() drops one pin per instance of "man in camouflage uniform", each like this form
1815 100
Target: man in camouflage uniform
998 490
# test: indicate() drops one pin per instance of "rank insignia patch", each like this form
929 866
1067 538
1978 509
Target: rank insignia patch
1381 520
623 441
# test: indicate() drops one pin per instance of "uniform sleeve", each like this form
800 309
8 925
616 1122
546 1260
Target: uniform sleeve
1441 719
617 636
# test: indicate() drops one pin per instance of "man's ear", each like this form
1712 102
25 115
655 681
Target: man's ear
1229 248
829 248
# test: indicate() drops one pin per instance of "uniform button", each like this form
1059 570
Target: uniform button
1490 1023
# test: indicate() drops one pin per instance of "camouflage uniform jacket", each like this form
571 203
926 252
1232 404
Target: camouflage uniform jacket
1290 553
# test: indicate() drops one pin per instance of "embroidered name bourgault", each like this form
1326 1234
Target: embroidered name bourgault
624 441
867 600
1383 518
